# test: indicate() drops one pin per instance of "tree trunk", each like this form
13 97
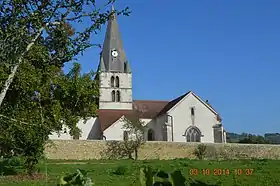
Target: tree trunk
14 69
130 156
8 83
136 154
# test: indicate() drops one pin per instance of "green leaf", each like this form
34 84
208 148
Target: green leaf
177 179
142 177
42 98
62 181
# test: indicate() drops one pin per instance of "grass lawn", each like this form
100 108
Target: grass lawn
259 172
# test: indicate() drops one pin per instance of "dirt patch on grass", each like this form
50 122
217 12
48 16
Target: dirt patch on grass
23 177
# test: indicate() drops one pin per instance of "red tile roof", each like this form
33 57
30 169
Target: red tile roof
149 108
109 116
143 108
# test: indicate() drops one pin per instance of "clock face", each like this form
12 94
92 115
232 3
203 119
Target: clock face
115 53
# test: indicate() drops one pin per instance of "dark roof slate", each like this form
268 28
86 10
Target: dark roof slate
113 42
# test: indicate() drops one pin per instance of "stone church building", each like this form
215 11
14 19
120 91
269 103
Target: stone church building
186 118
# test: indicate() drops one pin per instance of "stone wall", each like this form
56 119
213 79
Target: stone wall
93 149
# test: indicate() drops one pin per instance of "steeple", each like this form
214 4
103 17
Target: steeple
113 57
115 77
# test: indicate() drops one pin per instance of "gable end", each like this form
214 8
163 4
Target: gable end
172 104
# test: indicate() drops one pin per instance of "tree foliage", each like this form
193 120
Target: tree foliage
22 20
135 129
268 138
37 38
253 139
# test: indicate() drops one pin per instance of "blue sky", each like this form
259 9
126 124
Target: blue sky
225 51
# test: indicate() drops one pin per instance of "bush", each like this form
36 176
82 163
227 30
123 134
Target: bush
10 166
200 151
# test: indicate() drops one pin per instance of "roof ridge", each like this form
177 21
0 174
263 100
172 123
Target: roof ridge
118 110
151 100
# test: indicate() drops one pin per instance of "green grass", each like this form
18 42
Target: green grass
265 172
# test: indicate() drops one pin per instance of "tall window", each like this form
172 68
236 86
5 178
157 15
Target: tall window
192 111
118 96
112 81
193 134
117 84
113 96
125 67
125 135
151 135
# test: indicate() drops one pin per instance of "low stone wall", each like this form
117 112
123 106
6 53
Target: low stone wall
93 149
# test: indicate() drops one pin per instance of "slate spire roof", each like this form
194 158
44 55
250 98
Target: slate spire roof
113 43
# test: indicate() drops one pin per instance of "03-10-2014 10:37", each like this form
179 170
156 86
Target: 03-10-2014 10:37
220 172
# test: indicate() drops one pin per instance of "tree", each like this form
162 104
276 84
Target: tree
274 138
69 98
134 130
253 139
37 97
23 22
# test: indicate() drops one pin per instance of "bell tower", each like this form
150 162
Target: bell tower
114 71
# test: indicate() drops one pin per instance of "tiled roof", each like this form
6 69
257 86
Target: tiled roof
143 108
148 109
109 116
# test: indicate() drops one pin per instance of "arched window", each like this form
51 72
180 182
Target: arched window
193 134
113 96
117 81
118 96
151 135
112 81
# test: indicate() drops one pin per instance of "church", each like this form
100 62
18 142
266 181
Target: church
186 118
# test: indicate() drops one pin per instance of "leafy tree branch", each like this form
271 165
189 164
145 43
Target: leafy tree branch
37 37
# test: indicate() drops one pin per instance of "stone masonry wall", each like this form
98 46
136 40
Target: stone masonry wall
93 149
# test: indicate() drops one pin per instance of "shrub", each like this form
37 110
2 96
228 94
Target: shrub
200 151
10 166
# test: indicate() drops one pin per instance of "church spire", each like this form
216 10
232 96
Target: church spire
113 58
